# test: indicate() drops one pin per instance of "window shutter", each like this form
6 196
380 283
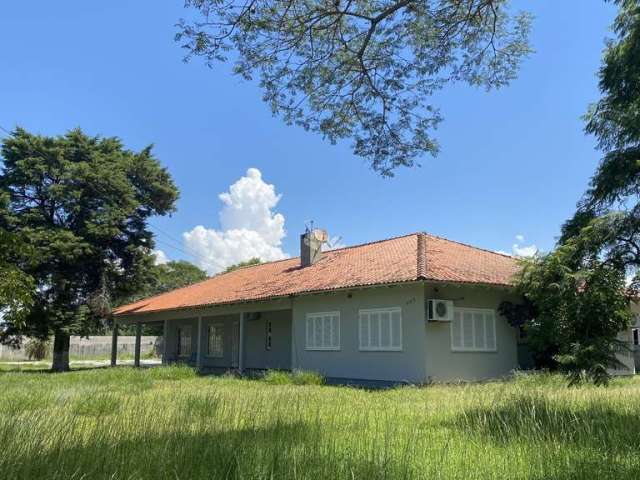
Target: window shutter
385 329
364 330
467 330
310 332
479 331
491 330
374 329
473 330
323 331
326 330
396 329
380 329
317 332
456 330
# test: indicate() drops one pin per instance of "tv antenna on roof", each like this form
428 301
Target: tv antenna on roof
320 235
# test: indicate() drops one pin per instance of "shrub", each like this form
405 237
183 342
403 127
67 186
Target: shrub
307 377
297 377
277 377
37 349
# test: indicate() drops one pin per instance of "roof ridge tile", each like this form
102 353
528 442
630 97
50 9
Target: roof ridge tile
421 254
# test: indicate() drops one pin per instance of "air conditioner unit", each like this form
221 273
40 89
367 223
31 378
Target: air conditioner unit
439 310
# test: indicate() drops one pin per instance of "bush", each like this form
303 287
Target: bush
37 349
297 377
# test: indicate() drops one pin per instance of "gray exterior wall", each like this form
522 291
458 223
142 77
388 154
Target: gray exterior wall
443 364
171 347
279 356
228 350
426 352
350 363
629 358
256 354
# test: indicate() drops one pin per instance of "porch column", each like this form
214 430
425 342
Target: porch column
241 344
114 343
164 342
136 354
199 344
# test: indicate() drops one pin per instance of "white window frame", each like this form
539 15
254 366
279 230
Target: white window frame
219 327
322 348
181 330
369 348
462 310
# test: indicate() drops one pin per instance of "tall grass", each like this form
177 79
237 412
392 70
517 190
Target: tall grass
170 423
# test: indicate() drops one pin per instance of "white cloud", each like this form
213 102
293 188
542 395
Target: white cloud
161 257
520 250
249 227
524 250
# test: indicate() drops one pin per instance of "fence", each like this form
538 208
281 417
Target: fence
94 347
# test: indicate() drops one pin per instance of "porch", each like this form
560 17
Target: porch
213 341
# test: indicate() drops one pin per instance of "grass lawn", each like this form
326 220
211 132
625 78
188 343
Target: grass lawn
167 422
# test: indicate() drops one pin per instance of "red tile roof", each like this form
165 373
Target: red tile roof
414 257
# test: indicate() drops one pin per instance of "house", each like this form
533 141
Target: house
414 308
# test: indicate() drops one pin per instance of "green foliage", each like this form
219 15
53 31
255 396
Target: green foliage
248 263
37 349
166 277
577 298
608 217
16 287
80 204
573 313
127 423
297 377
364 70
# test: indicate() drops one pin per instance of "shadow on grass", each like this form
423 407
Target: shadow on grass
534 418
277 451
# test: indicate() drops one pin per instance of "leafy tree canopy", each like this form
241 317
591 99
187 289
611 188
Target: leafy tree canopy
577 299
167 277
16 287
608 217
81 204
247 263
363 70
572 315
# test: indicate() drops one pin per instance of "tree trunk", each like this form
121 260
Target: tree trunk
61 342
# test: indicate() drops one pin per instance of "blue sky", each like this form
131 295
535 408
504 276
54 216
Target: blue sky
512 162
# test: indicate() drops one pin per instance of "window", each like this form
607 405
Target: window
184 341
267 341
381 329
473 330
636 336
215 344
323 331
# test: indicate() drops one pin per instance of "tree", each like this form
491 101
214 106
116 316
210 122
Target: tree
16 287
166 277
362 70
577 297
572 313
609 213
247 263
81 203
